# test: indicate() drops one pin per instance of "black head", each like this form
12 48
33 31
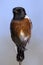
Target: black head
19 13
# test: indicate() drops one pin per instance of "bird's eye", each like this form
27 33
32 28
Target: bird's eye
19 10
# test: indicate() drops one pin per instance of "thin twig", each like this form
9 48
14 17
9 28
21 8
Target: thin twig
19 63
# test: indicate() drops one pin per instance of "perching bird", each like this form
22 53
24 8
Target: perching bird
20 28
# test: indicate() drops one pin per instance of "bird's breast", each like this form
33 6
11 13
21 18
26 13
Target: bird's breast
23 37
21 29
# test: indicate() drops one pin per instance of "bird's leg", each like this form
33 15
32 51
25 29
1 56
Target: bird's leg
19 63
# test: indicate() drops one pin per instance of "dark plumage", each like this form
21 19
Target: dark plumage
20 28
19 13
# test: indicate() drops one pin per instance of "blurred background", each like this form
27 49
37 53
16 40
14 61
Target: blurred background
34 54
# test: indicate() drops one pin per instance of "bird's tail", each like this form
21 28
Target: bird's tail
20 54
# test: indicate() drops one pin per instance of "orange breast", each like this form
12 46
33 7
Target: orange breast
24 25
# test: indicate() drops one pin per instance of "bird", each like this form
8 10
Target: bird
20 29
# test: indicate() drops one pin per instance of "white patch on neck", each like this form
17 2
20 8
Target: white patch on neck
27 17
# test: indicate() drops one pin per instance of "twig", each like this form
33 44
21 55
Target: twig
19 63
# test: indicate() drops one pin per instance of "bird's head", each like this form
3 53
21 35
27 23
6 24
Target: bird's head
19 13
